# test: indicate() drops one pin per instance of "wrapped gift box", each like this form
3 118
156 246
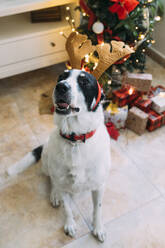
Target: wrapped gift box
163 121
154 91
155 120
125 95
143 104
158 103
137 120
116 115
141 81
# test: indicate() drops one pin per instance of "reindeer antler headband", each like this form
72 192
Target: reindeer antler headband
78 45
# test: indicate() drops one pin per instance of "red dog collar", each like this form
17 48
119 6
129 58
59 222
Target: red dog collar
98 96
73 137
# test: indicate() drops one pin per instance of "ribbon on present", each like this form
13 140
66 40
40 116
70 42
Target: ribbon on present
89 12
113 108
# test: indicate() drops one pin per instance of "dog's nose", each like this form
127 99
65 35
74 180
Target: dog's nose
62 87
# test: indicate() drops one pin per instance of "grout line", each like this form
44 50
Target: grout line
136 209
140 170
83 217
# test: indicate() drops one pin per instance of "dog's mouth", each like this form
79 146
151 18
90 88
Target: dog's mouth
65 108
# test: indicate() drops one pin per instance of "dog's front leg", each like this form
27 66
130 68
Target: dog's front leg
70 225
98 230
54 198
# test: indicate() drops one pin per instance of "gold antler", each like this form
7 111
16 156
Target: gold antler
109 55
77 46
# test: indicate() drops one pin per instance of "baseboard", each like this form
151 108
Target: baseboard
156 55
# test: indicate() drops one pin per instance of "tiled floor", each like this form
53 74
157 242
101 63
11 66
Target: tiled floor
134 201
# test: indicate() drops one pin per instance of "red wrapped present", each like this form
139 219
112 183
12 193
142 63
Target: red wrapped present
143 104
163 121
154 120
125 95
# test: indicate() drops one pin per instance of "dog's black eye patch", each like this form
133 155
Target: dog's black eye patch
83 80
64 75
88 85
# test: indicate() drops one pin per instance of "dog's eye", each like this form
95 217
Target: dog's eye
83 80
63 76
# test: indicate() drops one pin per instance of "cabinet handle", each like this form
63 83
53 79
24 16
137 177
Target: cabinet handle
52 44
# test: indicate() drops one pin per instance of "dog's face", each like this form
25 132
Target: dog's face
76 91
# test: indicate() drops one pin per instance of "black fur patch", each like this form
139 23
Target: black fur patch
64 75
37 153
88 84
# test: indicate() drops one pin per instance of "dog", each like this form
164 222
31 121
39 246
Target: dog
77 154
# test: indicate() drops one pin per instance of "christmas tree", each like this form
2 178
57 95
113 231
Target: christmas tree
130 21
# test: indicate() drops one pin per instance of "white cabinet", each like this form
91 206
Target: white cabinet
26 46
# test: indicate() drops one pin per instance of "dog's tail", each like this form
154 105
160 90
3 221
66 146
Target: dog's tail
29 159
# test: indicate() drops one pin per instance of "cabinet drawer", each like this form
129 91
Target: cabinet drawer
30 48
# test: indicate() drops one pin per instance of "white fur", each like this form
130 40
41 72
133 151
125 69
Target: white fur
21 165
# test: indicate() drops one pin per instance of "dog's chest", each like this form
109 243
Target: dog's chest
73 167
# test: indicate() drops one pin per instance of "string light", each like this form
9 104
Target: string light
84 14
141 36
157 18
67 8
136 28
143 50
102 44
131 90
62 33
67 18
135 41
148 41
149 1
153 41
137 60
109 82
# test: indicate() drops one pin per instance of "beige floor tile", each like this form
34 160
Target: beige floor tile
148 152
14 145
126 189
28 220
41 125
143 228
9 116
157 71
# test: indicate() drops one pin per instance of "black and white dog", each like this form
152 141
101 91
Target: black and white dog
77 154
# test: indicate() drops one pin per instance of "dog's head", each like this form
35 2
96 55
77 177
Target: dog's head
76 91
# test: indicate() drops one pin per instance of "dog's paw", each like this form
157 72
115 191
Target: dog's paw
70 228
54 200
100 234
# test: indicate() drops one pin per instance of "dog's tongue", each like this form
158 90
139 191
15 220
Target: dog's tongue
63 105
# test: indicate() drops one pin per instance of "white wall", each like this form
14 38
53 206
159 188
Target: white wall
159 35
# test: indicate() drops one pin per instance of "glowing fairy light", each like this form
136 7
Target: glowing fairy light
131 90
157 18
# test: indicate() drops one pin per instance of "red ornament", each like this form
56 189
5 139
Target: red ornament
123 7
